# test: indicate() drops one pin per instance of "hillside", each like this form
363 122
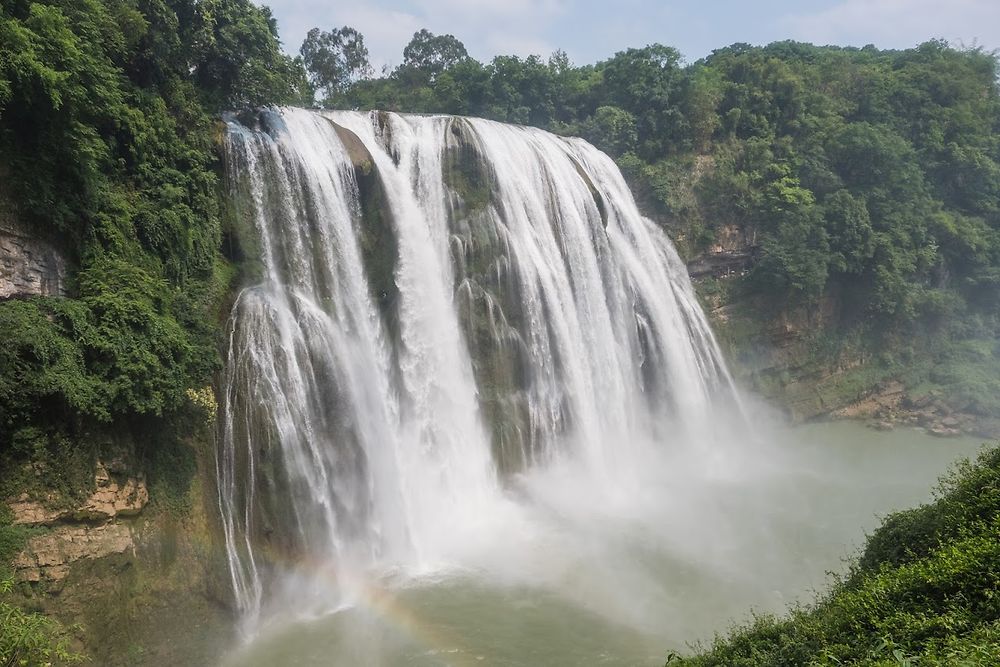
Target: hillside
922 592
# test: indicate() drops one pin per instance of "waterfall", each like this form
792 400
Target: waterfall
436 306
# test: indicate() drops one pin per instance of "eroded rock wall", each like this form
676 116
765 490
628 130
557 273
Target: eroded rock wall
137 583
29 266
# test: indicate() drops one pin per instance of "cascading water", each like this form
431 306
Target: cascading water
445 307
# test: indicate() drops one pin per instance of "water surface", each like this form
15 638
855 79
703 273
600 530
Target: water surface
569 579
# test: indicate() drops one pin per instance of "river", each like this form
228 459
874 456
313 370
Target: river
605 584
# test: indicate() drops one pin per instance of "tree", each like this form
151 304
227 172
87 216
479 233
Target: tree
612 130
335 59
852 239
237 61
433 54
647 83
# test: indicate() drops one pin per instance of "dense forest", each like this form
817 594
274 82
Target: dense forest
873 175
109 118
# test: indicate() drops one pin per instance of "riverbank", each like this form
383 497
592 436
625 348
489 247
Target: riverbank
804 363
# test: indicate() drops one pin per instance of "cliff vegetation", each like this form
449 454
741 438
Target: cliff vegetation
109 125
922 592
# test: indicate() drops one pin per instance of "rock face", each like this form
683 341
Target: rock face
151 589
86 531
732 254
28 266
114 496
48 557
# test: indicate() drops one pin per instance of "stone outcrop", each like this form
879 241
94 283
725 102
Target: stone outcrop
48 557
889 405
86 531
114 496
358 153
129 587
734 252
28 265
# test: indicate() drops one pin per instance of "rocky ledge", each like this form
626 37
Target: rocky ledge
29 266
90 530
890 406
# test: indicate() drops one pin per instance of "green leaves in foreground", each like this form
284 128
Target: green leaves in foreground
26 639
30 639
926 591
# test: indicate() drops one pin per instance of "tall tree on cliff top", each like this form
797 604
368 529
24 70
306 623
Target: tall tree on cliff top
433 54
334 60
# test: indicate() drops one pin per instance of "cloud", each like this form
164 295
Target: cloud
901 23
486 27
481 10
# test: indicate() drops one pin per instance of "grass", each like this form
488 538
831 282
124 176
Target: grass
925 591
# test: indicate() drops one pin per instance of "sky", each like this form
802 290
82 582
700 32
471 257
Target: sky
591 31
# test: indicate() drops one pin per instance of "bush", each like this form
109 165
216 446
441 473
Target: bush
30 639
924 591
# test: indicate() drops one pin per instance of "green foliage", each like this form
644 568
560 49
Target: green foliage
12 540
333 59
924 592
613 130
432 54
235 56
30 639
647 83
108 145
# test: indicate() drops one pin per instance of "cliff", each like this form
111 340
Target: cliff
135 563
29 266
803 360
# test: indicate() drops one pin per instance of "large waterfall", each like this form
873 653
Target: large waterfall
438 309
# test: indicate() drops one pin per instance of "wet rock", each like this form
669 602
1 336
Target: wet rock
927 417
359 154
595 193
28 265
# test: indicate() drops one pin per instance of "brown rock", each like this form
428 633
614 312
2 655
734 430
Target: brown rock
359 154
926 417
48 557
111 498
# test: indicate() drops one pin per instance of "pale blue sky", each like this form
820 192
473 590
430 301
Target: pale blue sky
590 31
